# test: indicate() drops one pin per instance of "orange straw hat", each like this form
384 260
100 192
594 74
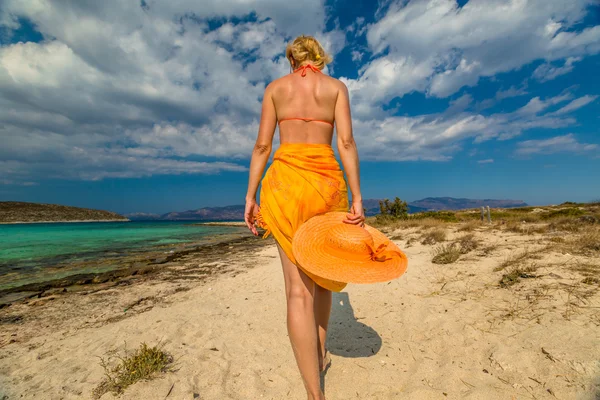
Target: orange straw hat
329 248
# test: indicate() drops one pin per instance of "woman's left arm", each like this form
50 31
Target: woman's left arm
260 155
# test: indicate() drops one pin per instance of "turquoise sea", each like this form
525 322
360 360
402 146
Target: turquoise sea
29 249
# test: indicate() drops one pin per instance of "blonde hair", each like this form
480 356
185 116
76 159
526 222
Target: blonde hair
305 48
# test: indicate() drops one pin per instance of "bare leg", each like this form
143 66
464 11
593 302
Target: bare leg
300 289
322 310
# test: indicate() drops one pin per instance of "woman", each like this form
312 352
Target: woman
304 180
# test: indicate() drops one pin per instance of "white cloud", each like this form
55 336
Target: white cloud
119 90
547 72
13 183
557 144
511 92
357 55
437 47
576 104
486 161
437 137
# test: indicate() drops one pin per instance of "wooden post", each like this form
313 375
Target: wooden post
489 215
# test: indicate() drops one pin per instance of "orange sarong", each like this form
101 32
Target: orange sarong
304 180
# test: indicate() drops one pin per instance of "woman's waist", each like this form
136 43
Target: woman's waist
308 157
309 150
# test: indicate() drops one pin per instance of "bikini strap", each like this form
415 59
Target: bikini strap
307 66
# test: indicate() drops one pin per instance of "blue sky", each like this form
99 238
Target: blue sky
153 106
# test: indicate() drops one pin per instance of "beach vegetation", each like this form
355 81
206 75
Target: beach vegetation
516 259
514 276
587 243
446 216
469 226
467 243
393 211
433 237
564 212
446 254
144 364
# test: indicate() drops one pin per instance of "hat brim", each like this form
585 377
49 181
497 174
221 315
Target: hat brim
309 251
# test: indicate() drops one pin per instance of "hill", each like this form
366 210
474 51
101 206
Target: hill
451 203
12 212
226 213
236 212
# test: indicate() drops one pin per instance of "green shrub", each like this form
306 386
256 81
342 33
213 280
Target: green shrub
446 216
390 212
521 209
398 209
565 212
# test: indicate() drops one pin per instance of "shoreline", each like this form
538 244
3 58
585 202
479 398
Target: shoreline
221 223
64 222
146 262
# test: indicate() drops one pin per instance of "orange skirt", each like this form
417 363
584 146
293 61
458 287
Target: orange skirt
304 180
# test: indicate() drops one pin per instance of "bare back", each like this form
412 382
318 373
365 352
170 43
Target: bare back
312 96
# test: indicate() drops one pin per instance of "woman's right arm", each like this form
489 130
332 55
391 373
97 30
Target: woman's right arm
348 153
260 155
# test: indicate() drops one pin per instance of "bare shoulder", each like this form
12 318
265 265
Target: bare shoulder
277 84
340 86
271 86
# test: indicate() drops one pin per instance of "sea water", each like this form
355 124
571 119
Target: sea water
26 248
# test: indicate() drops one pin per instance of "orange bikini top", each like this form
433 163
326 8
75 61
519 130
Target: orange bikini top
304 68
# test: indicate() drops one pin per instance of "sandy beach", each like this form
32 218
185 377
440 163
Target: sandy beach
440 331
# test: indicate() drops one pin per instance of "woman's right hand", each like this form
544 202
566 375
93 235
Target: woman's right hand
249 215
356 215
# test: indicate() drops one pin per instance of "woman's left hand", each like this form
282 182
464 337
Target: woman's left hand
249 214
357 214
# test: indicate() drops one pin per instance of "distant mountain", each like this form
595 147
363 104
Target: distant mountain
20 212
236 212
140 216
450 203
227 213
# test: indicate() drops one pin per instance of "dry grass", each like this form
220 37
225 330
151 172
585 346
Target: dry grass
564 225
424 223
467 243
586 243
590 280
433 237
487 250
587 269
516 259
446 254
143 364
524 227
515 275
469 226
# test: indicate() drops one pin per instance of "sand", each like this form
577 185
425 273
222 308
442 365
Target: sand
438 332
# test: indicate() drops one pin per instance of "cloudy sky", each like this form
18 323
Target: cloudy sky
153 106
